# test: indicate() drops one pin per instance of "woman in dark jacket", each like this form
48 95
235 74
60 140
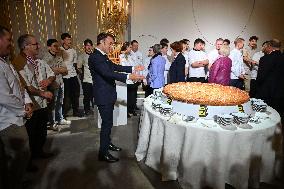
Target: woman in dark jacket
220 70
177 69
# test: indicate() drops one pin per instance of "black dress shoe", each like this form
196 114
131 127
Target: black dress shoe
78 114
32 168
42 155
112 147
108 158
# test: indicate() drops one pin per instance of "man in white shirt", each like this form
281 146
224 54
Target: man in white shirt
185 53
53 57
87 83
37 76
71 82
166 41
213 55
187 45
255 62
15 106
137 57
226 42
248 53
145 85
135 53
237 70
164 50
198 60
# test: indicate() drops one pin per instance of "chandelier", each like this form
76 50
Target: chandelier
113 18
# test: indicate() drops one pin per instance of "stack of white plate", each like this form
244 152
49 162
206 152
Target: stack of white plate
258 105
225 119
156 105
166 110
240 118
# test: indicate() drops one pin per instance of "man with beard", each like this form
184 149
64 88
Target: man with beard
248 53
14 145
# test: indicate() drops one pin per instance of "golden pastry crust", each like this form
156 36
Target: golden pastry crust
206 94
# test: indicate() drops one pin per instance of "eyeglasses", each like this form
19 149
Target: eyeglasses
34 44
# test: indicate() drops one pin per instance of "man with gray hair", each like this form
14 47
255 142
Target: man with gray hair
15 106
36 77
270 78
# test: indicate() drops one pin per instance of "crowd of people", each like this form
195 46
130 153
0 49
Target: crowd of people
257 72
38 92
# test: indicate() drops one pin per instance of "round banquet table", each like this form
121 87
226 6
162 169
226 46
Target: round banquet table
202 153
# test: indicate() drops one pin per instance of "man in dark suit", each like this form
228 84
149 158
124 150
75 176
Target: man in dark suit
270 87
104 73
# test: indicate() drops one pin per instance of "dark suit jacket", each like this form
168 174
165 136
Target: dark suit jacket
270 77
177 69
104 73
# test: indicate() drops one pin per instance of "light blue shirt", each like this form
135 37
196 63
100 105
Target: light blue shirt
156 72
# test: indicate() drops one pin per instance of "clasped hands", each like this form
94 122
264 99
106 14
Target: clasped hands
28 110
135 76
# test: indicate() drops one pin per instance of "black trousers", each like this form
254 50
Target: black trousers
71 95
239 83
131 97
37 130
197 79
252 91
106 112
88 95
147 89
14 156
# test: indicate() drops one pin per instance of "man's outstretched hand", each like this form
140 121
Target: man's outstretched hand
136 77
139 68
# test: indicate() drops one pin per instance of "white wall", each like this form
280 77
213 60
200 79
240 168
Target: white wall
174 20
87 20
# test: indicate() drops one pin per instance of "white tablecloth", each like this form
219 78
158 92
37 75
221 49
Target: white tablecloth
198 155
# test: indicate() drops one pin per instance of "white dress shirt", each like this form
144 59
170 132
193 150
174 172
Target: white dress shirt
237 63
69 59
83 61
13 97
167 68
256 57
146 63
186 56
137 58
248 52
33 78
127 60
194 56
55 62
213 56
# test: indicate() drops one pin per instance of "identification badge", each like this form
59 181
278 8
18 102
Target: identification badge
241 108
203 111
